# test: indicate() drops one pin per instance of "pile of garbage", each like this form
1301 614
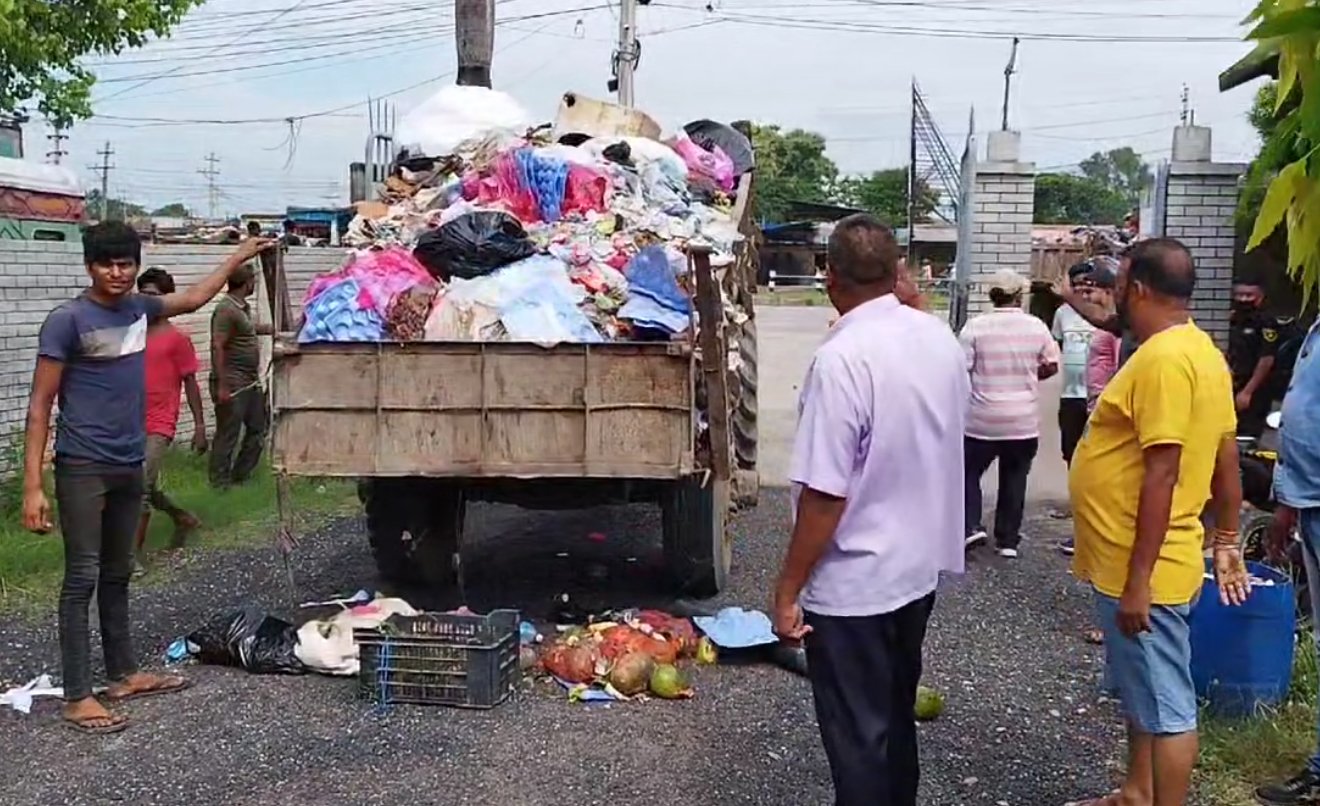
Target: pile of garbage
626 655
488 230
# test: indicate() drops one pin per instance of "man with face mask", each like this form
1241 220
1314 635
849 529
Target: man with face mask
1253 342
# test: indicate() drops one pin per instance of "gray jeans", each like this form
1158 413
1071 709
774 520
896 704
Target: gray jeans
99 507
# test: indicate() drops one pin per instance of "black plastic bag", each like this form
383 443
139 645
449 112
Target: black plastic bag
248 639
473 245
708 134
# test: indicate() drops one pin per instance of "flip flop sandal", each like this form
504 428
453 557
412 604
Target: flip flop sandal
117 724
183 684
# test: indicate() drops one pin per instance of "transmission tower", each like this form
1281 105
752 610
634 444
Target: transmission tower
212 191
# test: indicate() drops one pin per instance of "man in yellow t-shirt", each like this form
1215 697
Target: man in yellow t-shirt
1159 444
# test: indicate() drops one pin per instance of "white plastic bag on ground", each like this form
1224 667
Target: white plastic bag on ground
455 114
327 645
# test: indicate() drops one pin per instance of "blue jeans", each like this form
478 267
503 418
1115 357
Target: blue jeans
1152 671
1308 522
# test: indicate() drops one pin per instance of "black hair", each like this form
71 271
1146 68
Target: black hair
239 277
1079 269
110 241
863 252
254 227
1164 266
158 277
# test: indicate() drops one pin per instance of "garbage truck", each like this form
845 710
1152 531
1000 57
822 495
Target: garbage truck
431 427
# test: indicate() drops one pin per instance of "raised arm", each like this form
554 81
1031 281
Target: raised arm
1098 315
195 296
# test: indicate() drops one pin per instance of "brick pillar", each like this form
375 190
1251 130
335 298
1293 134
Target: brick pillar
1002 210
1199 211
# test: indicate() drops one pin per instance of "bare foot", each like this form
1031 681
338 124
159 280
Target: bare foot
145 684
89 716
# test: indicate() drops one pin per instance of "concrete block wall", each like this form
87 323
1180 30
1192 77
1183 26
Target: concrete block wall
1002 211
36 276
1199 211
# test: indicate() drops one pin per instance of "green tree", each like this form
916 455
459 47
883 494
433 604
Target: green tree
173 210
1121 169
117 209
884 194
790 166
43 42
1071 199
1292 31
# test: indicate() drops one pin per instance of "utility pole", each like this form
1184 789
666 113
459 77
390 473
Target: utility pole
1008 80
212 192
474 37
628 53
104 170
912 177
57 152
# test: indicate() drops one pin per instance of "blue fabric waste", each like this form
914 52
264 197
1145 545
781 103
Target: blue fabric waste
645 312
546 178
654 298
735 628
543 315
335 315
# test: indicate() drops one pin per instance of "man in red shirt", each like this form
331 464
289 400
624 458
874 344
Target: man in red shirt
171 362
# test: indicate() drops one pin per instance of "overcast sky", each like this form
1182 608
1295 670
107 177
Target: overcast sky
1093 74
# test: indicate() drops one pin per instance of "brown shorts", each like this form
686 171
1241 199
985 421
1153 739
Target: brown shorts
157 447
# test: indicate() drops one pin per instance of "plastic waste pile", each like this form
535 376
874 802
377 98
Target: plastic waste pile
488 230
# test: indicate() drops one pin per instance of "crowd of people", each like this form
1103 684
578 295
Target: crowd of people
115 366
1150 411
1148 418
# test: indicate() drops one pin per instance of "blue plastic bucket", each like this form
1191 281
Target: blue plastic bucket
1242 656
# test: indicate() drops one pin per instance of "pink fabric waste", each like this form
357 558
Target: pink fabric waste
1101 364
381 276
714 164
502 188
585 191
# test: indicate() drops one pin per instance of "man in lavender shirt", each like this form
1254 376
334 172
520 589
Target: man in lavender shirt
878 513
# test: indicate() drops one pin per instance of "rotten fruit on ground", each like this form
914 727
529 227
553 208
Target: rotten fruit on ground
631 674
930 704
707 654
668 683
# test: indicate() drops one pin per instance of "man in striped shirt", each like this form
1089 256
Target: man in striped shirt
1009 352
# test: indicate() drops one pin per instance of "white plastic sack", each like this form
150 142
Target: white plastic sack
327 645
456 114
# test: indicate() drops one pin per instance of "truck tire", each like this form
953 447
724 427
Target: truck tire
415 527
745 435
698 549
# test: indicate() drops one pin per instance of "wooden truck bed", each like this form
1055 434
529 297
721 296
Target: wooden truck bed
621 410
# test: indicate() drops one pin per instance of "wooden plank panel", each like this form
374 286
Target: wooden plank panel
422 442
657 439
430 379
317 443
543 378
623 378
535 437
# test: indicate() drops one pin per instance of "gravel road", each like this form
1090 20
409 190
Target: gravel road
1023 726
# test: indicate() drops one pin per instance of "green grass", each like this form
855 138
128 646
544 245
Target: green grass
31 565
1239 755
811 298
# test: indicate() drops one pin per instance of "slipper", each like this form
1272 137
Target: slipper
168 684
118 723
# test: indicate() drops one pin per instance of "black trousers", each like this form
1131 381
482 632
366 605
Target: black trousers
241 423
864 673
1015 457
99 509
1072 424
